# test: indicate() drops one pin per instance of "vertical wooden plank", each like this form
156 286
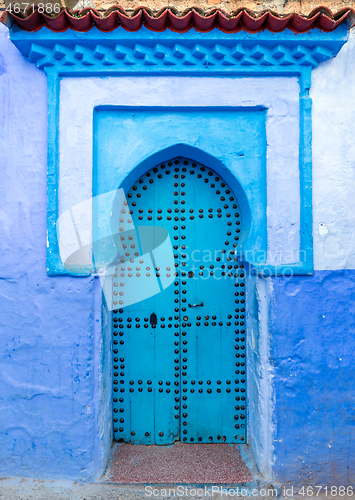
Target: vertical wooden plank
209 376
149 350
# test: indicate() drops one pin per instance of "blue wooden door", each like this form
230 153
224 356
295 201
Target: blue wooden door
179 355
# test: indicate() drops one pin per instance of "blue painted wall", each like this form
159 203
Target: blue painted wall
47 398
312 351
49 401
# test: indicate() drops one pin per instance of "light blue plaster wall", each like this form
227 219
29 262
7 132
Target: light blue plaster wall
47 367
231 141
312 325
104 381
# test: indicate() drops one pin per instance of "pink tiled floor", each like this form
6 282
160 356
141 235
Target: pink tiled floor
179 463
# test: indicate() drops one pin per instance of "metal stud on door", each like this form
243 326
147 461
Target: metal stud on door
180 365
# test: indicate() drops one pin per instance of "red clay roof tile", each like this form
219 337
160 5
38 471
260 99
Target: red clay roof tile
170 18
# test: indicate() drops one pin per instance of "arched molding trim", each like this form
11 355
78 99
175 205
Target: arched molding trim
204 158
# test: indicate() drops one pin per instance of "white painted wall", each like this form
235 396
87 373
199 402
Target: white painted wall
280 96
333 95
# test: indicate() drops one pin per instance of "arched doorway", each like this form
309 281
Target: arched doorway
179 361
